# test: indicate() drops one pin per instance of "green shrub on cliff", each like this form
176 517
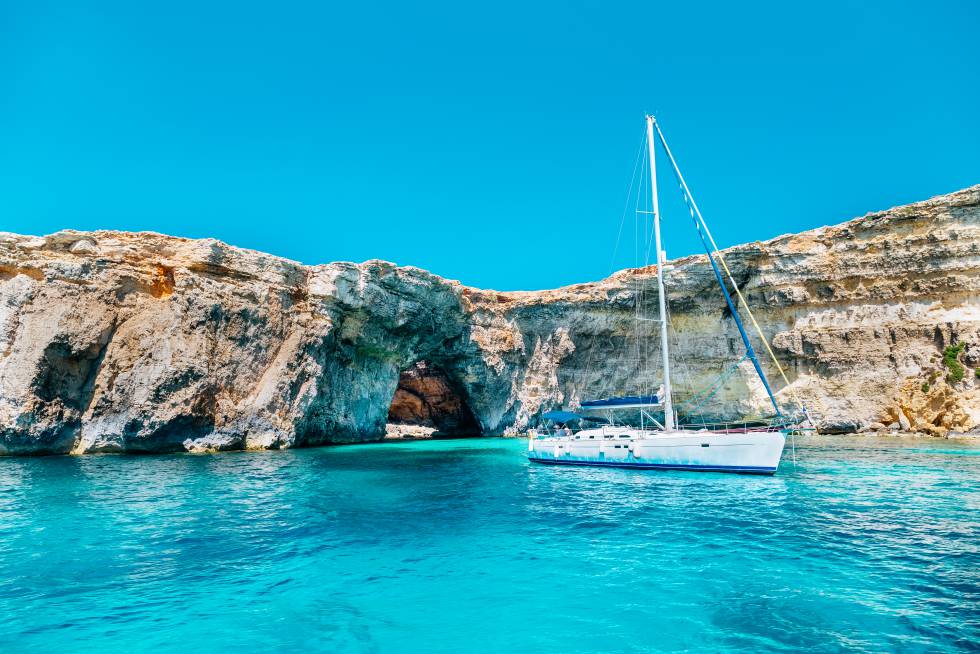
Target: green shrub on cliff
925 387
951 359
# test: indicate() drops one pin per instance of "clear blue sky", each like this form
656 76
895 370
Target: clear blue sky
488 142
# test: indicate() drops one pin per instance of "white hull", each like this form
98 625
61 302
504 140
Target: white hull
754 452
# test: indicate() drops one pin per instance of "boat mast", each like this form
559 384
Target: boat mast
661 291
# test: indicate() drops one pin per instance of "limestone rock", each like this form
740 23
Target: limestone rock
141 342
395 431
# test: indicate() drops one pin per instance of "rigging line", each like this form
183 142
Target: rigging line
651 381
648 238
714 387
728 298
626 205
668 318
641 196
724 376
681 373
649 246
619 235
648 235
731 278
639 218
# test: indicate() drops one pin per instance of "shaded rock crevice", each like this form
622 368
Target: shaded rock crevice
427 397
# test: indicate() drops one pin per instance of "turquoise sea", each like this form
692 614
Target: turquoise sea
462 546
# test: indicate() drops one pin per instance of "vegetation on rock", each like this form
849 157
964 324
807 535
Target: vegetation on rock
951 359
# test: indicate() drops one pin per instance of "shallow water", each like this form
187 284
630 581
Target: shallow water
454 546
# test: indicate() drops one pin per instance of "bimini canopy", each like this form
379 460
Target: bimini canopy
568 416
623 402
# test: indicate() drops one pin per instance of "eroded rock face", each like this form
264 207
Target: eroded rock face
140 342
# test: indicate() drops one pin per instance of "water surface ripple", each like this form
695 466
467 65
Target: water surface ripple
455 546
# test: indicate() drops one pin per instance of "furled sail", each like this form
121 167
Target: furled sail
625 402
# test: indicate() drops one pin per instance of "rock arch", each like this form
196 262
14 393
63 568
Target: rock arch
428 397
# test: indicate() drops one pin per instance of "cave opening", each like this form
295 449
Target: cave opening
428 403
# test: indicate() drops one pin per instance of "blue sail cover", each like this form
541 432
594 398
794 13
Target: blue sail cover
623 401
568 416
560 416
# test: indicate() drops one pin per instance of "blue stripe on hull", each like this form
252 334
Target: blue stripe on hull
748 470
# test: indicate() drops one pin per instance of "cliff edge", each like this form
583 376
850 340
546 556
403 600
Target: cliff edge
139 342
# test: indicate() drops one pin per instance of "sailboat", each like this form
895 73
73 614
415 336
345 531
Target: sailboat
665 445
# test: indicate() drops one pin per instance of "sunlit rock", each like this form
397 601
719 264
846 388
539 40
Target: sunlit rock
139 342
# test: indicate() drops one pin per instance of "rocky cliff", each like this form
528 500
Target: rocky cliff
140 342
